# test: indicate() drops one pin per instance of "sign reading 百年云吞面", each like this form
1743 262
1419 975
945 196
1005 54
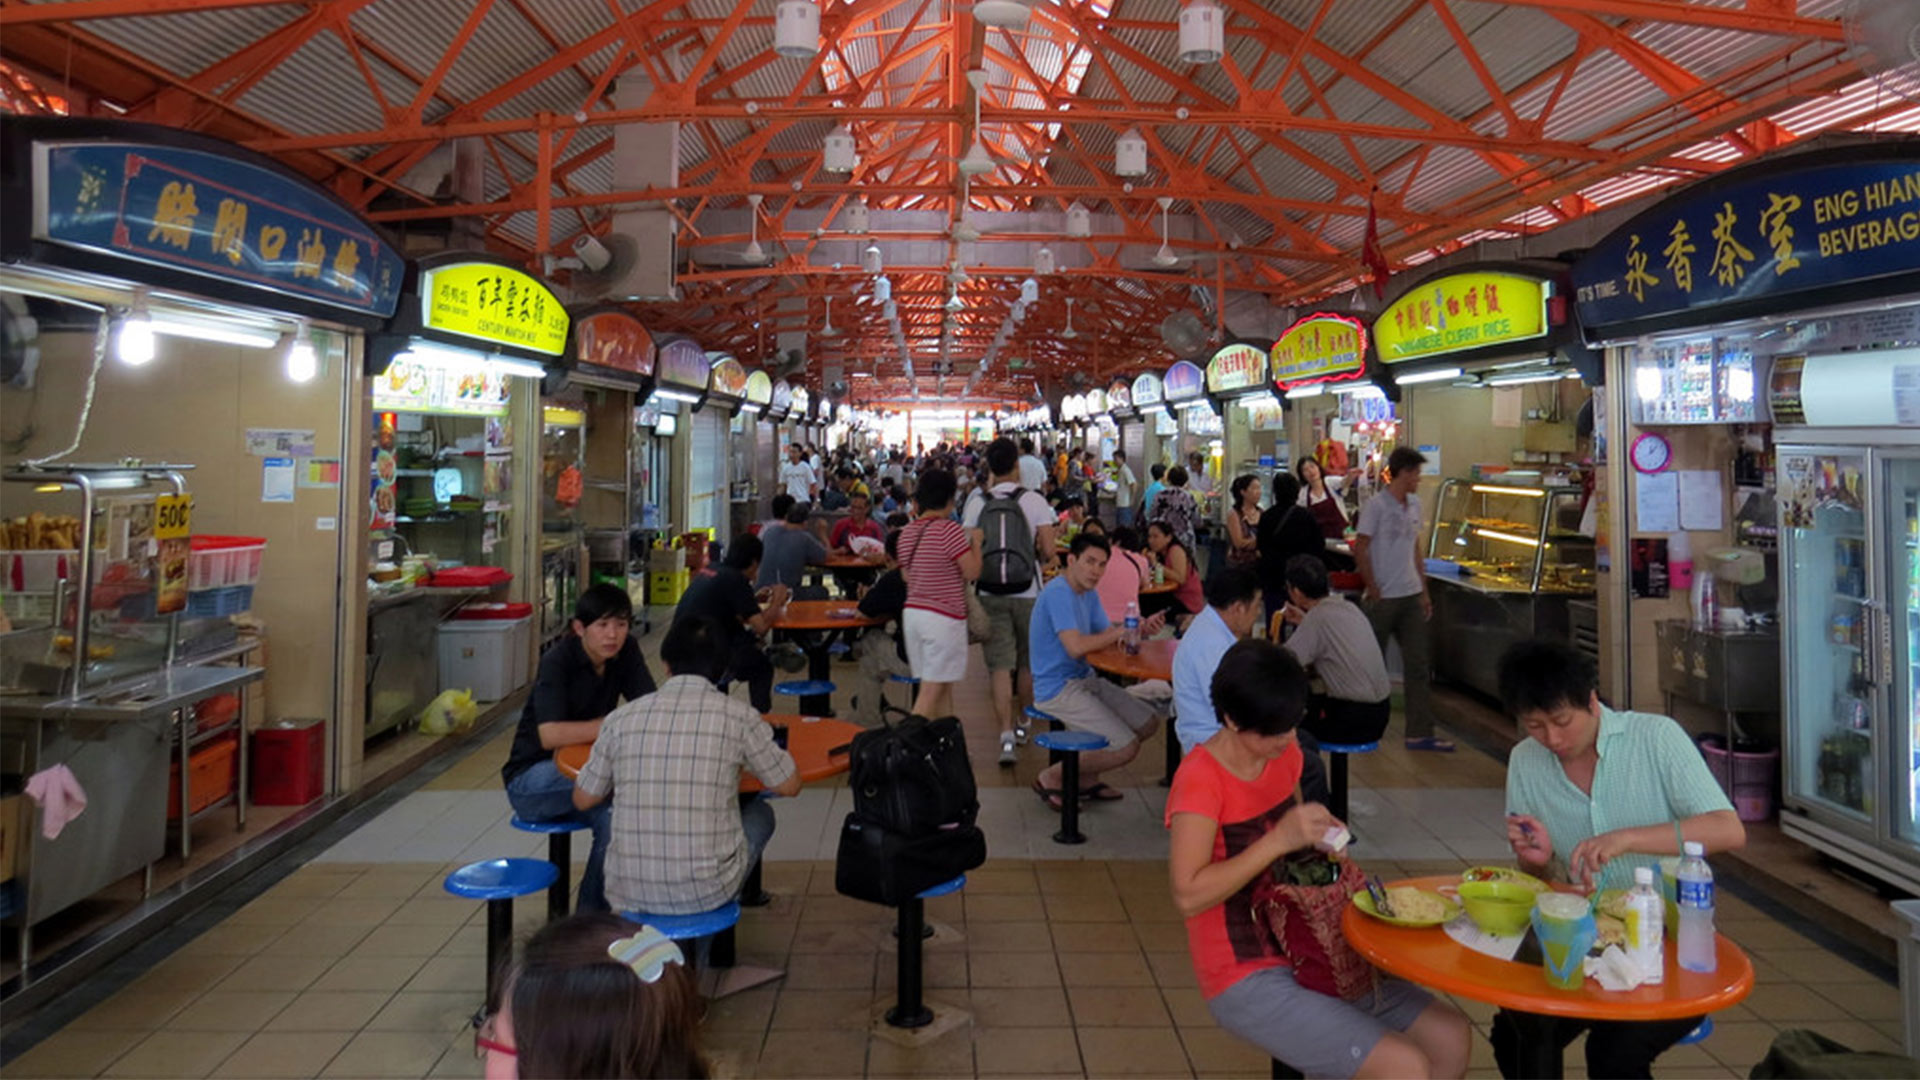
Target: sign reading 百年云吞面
494 303
1456 312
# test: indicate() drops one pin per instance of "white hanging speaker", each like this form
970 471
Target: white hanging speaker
838 154
1005 14
1203 32
796 29
1130 153
1079 221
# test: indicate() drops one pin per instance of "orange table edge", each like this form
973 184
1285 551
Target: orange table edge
1158 590
817 615
1433 960
850 562
808 740
1155 660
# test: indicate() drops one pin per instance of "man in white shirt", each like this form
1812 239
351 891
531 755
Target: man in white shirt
1387 549
1033 471
798 477
1004 562
1125 483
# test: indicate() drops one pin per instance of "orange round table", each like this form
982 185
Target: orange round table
1153 661
1158 590
849 562
821 615
810 739
1432 959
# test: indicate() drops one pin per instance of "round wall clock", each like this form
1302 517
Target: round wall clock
1651 452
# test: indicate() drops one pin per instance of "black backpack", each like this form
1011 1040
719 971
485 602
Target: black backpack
914 803
1007 558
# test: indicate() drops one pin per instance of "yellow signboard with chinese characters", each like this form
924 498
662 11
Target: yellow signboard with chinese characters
1319 348
1461 311
494 303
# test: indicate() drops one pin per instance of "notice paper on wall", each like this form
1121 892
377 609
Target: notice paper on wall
1701 500
276 479
279 442
1656 503
319 472
1507 401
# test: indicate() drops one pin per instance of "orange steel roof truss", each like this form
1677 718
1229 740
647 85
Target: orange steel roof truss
1450 118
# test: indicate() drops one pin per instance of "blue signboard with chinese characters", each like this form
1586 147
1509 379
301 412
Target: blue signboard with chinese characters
204 214
1774 236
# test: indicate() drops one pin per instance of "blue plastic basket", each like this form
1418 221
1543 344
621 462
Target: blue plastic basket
212 603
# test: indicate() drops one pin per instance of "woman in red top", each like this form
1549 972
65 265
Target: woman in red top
1180 569
1320 499
938 560
1235 810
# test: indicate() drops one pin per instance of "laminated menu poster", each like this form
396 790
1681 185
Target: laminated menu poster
1649 571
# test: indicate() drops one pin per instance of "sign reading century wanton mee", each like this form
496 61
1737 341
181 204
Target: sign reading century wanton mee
493 303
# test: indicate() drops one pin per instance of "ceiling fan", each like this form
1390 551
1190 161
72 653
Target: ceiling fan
751 255
827 329
1166 258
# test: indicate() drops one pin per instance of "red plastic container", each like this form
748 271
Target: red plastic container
494 611
289 763
469 577
696 545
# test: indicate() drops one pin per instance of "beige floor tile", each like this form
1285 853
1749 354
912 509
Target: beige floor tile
277 973
831 971
232 938
833 937
1090 908
997 969
231 1010
467 973
1105 969
308 939
814 1054
382 1054
1818 966
1213 1052
756 937
71 1052
1035 936
945 969
284 1054
458 1062
434 911
1868 999
1892 1029
300 886
282 911
360 972
390 885
1026 908
1084 937
1767 936
1161 936
330 1010
1117 1006
136 1008
1133 1052
1740 1045
948 1055
362 913
821 1010
1792 1005
1720 1073
190 974
425 1010
840 909
396 939
732 1056
1156 906
1187 1007
744 1013
1690 1056
1033 1051
1004 879
1172 968
1082 878
177 1054
1021 1007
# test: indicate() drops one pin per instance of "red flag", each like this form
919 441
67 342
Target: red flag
1372 256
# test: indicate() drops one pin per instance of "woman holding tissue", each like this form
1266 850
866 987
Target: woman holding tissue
1233 812
1591 794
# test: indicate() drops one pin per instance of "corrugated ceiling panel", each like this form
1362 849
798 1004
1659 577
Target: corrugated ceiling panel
316 90
191 41
1605 90
1420 59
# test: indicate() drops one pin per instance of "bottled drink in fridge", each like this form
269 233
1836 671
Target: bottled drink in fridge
1695 900
1131 641
1647 926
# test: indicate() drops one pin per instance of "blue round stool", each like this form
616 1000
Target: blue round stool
1698 1034
910 1007
1070 744
805 687
560 854
499 882
1023 730
717 924
1337 778
913 684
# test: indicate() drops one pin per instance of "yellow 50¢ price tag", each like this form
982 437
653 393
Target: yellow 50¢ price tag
173 517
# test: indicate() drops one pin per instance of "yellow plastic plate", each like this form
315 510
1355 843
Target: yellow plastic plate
1364 901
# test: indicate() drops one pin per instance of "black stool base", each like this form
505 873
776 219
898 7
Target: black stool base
560 854
910 1010
1069 801
895 1018
1337 786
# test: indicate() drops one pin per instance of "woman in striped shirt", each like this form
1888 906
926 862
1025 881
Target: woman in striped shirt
938 561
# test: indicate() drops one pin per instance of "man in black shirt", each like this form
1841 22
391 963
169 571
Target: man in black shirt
1286 529
581 678
725 593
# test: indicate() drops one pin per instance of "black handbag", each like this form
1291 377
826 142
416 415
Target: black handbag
885 867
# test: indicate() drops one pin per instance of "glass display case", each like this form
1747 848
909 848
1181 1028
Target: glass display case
1504 562
1698 380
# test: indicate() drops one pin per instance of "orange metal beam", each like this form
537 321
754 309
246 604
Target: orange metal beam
71 11
1755 18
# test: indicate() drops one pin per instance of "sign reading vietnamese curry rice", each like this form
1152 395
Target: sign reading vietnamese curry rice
1767 231
1237 367
494 303
611 340
219 218
683 363
1319 348
1183 380
1461 311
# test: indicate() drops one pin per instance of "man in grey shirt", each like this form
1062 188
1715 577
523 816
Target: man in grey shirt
1387 549
789 550
1335 638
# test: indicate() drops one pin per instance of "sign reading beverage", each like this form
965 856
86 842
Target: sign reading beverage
1148 390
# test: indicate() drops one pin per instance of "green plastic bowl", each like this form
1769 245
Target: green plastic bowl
1498 907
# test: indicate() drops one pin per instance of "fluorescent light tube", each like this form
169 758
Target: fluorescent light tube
677 395
1508 537
1436 375
225 335
1516 380
507 366
1299 392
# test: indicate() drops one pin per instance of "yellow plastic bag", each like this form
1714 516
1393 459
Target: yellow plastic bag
452 713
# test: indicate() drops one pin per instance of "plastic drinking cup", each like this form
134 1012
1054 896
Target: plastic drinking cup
1670 889
1565 926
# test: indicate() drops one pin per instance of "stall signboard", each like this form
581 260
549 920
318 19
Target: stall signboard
213 216
425 384
802 402
782 399
1265 414
1096 402
684 364
759 390
1119 396
617 342
1072 407
493 303
1183 381
1237 368
728 378
1148 391
1455 312
1759 234
1320 348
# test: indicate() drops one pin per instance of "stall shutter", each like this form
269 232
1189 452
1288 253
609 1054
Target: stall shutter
707 475
1133 439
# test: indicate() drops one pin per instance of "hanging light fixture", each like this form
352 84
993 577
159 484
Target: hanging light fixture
1165 256
977 160
1004 14
856 218
1203 32
133 341
1029 291
883 289
1079 221
1130 153
796 29
1043 261
827 329
302 362
838 154
870 258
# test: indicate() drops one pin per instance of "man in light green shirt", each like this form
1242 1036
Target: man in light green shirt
1592 793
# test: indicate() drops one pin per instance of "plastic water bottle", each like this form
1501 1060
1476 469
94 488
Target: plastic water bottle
1131 640
1695 900
1646 926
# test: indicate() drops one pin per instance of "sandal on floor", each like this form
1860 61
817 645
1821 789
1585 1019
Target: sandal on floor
1100 793
1048 795
1431 742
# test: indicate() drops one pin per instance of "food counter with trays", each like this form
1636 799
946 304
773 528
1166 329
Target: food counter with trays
1504 564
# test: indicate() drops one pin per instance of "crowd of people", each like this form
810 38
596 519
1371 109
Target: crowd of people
1003 546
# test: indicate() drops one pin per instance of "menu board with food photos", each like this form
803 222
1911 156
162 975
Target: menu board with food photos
419 384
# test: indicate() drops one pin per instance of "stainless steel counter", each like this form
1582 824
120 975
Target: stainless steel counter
138 698
1473 624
